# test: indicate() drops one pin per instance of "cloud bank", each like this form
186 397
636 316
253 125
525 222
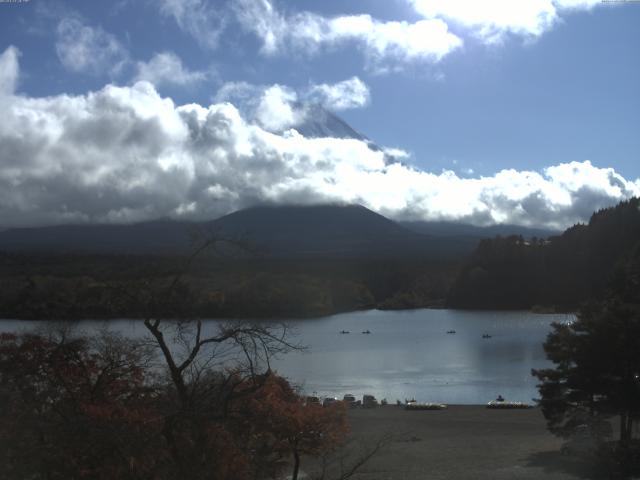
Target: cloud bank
125 154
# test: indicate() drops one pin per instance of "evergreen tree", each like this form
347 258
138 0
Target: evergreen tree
596 378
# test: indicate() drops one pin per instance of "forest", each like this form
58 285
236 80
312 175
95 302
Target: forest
506 272
554 274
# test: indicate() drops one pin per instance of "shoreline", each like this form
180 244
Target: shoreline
284 319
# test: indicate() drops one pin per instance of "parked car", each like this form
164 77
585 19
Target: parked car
350 400
369 401
329 401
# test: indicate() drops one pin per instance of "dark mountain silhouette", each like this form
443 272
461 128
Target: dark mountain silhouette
323 231
558 273
307 260
333 231
160 236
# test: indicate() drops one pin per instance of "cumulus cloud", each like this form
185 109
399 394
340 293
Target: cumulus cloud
126 154
351 93
83 48
274 107
166 68
198 18
277 107
387 45
393 42
276 110
492 20
390 45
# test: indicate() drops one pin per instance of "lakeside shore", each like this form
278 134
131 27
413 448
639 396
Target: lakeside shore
461 442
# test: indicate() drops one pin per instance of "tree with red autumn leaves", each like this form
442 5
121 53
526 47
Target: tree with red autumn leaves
292 426
68 406
193 400
76 408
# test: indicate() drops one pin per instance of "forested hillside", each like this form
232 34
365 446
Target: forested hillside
554 274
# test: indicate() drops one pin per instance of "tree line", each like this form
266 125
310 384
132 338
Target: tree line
558 273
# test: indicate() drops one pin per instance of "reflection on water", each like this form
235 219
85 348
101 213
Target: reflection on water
408 353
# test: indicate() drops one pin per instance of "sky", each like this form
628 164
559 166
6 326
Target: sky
501 111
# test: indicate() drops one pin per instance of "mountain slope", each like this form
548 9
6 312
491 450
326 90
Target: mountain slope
335 231
321 231
160 236
319 123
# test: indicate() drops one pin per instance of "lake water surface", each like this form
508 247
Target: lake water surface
407 355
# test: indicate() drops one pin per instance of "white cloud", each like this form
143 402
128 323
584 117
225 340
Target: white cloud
277 108
126 153
393 42
198 18
86 49
491 20
428 40
583 4
238 92
351 93
9 70
167 68
396 153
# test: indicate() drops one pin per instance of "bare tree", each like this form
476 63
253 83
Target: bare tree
210 365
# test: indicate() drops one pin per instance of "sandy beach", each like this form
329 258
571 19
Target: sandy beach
462 442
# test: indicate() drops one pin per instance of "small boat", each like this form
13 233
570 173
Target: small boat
451 331
425 406
486 335
344 332
366 332
504 405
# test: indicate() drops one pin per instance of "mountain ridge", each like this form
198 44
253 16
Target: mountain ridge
282 231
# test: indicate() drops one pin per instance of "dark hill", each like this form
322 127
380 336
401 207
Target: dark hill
334 231
324 231
160 236
560 273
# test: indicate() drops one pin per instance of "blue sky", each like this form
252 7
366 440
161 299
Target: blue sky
499 111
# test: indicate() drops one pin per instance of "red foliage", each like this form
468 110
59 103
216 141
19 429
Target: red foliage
77 409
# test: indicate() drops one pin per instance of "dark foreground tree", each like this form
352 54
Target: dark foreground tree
596 378
74 408
597 372
193 400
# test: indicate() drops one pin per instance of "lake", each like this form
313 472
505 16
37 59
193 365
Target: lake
408 354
